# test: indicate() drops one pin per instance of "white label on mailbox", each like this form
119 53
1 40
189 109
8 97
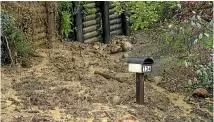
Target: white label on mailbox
147 68
135 68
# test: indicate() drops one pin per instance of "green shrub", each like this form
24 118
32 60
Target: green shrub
204 74
145 13
181 36
20 46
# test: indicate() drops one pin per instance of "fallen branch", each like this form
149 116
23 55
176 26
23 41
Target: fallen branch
8 47
108 76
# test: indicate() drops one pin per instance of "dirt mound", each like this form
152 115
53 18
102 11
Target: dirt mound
77 82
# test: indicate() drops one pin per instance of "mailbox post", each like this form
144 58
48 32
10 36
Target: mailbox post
141 66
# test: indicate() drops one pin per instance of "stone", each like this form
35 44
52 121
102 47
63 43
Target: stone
117 61
190 82
117 42
201 92
116 100
126 46
26 63
134 42
115 49
104 46
158 79
125 55
96 47
128 118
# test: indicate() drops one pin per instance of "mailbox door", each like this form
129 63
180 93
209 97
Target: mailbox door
135 68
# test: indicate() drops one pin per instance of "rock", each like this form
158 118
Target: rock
26 63
117 42
125 39
117 61
96 47
201 92
125 55
126 46
158 79
116 100
115 49
190 82
128 118
134 42
104 46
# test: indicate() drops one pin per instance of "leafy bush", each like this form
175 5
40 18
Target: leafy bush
186 30
189 35
146 13
205 73
200 7
200 69
19 45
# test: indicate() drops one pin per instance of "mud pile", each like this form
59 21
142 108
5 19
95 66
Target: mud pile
77 82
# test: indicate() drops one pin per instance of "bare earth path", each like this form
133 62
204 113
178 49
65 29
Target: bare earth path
63 86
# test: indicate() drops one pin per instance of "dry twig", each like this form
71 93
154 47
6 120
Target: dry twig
8 47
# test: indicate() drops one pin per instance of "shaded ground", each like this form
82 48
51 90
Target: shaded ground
63 85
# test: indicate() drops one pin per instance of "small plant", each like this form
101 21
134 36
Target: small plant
210 107
67 11
66 23
205 74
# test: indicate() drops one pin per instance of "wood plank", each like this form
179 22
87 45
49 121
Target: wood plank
94 39
91 22
115 21
89 5
113 16
92 34
91 17
116 32
116 27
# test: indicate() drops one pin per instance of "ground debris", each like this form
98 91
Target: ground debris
108 76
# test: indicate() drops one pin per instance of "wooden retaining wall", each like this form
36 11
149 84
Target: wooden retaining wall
39 21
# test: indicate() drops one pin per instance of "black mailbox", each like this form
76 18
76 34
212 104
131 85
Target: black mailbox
140 64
